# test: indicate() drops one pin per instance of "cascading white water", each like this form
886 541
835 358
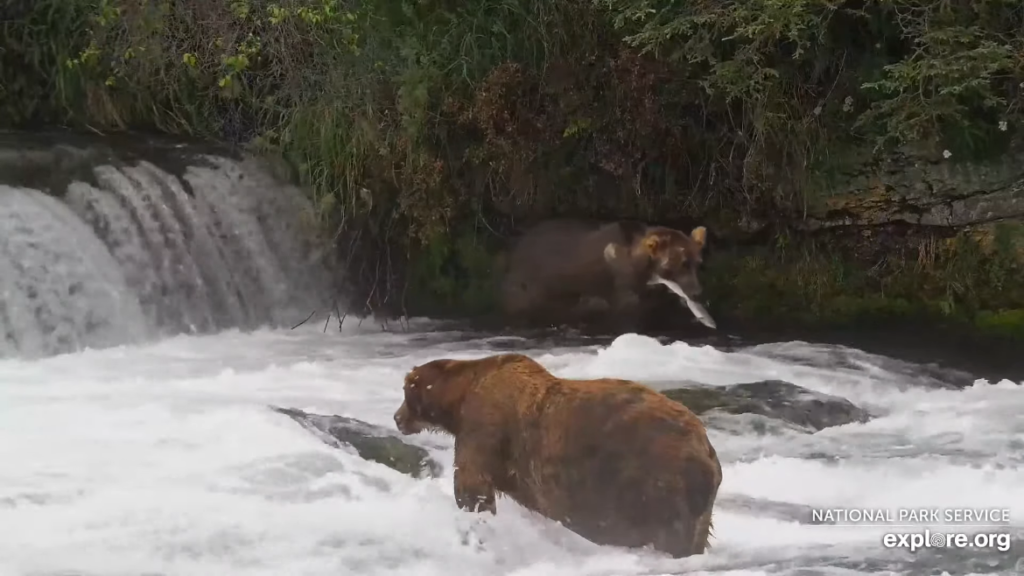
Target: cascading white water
138 252
167 459
60 285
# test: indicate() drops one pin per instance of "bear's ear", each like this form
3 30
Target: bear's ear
652 244
699 235
428 372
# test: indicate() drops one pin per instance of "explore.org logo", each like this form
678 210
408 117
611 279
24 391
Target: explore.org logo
928 539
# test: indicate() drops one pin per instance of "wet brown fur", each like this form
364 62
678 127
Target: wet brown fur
615 461
572 271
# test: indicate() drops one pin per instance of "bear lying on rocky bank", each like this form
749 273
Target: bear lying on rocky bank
614 461
567 271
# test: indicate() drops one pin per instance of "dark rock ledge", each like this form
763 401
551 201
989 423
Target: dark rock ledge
373 443
773 399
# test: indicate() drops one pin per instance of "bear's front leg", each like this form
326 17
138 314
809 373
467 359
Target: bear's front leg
474 465
473 492
625 312
625 298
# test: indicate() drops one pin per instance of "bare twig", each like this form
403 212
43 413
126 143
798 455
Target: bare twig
405 289
337 312
368 305
304 321
480 216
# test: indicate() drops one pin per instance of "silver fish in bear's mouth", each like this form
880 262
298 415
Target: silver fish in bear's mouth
699 311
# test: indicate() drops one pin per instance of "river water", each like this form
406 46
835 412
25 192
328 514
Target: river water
164 458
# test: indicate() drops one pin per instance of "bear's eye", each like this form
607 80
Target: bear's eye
413 399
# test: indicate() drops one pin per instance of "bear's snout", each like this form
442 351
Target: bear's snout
401 415
404 421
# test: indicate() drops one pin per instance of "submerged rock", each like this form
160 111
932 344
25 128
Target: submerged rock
773 399
370 442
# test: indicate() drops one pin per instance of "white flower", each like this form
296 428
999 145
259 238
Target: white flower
817 110
848 104
1002 125
946 153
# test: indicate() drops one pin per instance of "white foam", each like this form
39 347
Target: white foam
165 459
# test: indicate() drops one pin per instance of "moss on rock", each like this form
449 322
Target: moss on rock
962 281
1004 323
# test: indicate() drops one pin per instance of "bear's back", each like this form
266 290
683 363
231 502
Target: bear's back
597 439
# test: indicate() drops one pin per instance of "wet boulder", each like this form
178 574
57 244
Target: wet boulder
774 399
370 442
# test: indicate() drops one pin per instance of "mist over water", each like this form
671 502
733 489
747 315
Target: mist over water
132 251
164 459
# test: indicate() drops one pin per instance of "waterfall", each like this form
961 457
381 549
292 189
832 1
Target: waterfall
100 248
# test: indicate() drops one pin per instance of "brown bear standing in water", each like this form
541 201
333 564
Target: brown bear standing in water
571 271
615 461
